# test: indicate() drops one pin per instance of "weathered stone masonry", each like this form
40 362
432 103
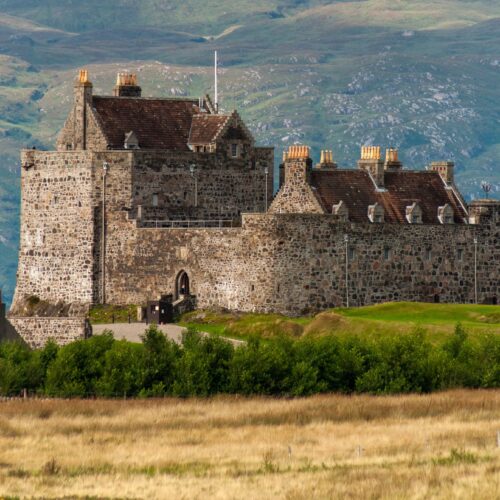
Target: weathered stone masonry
295 263
184 191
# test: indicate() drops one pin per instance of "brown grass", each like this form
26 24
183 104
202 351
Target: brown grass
433 446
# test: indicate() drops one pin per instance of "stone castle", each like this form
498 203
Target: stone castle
149 198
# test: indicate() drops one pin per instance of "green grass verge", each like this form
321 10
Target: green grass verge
112 314
438 320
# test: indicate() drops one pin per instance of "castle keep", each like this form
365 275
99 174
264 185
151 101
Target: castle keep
147 198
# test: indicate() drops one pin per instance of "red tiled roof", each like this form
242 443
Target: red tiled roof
157 123
205 127
356 189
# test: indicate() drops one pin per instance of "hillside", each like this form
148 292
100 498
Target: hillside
420 76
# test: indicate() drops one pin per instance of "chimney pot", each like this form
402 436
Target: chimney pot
126 85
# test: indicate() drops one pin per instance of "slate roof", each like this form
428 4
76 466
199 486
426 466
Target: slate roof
157 123
205 127
356 189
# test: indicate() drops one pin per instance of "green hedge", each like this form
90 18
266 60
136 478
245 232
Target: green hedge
203 366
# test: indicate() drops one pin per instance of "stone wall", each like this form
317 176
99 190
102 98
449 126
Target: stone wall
296 263
37 331
62 241
222 188
57 229
7 331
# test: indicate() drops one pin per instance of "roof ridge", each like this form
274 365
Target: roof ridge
130 98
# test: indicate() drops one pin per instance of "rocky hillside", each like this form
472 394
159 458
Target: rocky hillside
421 76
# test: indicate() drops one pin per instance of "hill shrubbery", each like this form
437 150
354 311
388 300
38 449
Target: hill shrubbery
204 366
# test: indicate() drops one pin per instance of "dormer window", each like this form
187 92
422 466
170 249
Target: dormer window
131 141
414 214
234 150
376 213
341 211
446 214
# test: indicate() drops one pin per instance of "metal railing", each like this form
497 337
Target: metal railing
187 224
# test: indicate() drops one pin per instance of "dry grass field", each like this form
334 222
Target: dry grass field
432 446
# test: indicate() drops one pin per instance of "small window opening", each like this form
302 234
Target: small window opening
352 253
460 254
387 253
234 150
428 254
155 200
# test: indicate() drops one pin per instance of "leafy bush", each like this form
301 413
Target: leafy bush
203 366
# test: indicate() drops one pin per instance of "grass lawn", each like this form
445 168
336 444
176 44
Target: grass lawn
438 320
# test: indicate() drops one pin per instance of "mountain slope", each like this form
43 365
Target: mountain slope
421 76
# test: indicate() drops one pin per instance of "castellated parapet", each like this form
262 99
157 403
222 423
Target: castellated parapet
164 197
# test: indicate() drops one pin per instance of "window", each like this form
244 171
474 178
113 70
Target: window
387 253
155 200
446 214
376 213
351 253
460 254
341 211
428 254
414 214
234 150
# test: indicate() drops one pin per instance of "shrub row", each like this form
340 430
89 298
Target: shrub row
203 366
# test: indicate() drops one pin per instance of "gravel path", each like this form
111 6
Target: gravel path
133 331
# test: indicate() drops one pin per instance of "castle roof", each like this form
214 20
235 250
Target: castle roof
205 127
357 190
157 123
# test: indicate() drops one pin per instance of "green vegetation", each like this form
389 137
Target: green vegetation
105 314
280 366
391 319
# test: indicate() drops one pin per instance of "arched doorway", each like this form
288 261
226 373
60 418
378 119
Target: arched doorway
182 285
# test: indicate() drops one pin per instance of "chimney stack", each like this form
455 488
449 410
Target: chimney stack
126 85
445 170
372 163
297 163
326 159
82 99
392 163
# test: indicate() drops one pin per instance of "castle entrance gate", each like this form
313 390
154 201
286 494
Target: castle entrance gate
182 286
